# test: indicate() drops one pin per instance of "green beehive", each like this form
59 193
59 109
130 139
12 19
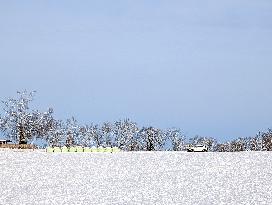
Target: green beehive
94 149
64 149
57 149
108 149
115 149
72 149
100 149
49 149
79 149
87 149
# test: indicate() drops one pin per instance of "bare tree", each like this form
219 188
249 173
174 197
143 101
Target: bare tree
222 147
176 138
238 145
210 143
152 139
126 137
267 140
72 134
93 135
256 143
106 132
22 124
56 136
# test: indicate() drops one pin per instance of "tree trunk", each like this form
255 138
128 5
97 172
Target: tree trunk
22 139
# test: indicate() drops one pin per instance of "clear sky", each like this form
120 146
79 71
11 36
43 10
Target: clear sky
202 66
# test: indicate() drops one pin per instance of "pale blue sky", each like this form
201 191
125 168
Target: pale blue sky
202 66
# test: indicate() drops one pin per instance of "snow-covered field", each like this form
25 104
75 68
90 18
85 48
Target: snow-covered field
136 178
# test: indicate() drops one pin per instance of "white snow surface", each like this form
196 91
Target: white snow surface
136 178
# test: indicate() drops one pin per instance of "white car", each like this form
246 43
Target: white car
197 148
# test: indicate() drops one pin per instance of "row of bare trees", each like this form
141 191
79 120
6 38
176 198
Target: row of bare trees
261 142
23 125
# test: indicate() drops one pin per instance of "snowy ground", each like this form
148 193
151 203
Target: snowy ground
136 178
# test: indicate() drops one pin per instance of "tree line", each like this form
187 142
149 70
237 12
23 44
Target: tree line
23 125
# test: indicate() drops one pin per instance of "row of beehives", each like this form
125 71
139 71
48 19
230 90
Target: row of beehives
82 149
